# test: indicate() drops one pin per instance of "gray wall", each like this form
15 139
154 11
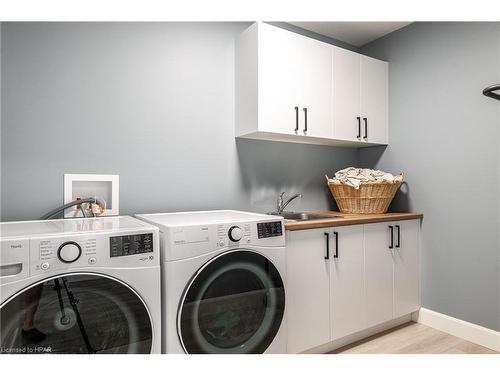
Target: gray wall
150 102
314 35
445 136
154 104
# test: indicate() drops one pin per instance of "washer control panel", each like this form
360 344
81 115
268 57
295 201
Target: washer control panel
65 251
131 244
126 250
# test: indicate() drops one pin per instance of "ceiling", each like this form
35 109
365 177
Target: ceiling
354 33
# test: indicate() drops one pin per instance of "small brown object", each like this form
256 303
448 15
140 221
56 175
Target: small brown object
370 198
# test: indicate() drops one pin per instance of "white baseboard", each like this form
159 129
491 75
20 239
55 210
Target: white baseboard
459 328
331 346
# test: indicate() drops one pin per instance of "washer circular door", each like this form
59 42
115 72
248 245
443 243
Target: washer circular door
234 304
75 313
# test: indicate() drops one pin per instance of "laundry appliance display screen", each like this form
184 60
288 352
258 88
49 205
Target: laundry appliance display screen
270 229
131 244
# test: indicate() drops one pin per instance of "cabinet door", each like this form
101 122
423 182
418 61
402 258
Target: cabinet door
307 290
374 100
280 79
346 94
379 272
316 92
407 267
347 281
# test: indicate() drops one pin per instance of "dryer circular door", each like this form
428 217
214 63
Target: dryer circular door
75 313
234 304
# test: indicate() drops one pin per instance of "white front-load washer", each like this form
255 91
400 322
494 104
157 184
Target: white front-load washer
89 285
223 282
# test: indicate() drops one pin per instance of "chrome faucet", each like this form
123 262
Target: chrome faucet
280 206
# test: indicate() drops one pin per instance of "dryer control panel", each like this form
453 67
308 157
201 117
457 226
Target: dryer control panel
226 234
190 241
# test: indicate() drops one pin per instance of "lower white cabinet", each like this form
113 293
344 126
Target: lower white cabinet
307 290
392 269
379 273
342 280
406 267
347 281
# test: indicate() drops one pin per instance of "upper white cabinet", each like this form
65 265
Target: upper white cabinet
360 98
296 89
316 89
283 85
374 100
279 81
346 97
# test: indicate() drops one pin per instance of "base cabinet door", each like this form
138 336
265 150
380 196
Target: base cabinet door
342 280
406 267
379 248
307 290
347 281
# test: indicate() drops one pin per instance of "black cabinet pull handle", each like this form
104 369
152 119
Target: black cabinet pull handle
296 119
366 127
399 236
359 127
392 236
327 256
305 120
336 244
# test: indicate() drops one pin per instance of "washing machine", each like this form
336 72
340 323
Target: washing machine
223 282
89 285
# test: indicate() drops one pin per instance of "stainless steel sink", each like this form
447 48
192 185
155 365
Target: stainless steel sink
304 216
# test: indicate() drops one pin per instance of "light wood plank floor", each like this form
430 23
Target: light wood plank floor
413 338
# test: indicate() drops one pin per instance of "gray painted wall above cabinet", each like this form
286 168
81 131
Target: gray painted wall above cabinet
152 102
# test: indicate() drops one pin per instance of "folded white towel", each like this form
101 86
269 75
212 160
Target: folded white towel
356 176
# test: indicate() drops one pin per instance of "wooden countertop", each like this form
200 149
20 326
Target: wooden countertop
349 219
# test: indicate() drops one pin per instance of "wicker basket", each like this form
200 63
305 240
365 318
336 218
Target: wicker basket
370 198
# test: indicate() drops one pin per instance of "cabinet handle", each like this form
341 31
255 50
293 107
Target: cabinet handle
392 237
327 256
399 236
296 119
305 120
359 127
366 127
336 244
